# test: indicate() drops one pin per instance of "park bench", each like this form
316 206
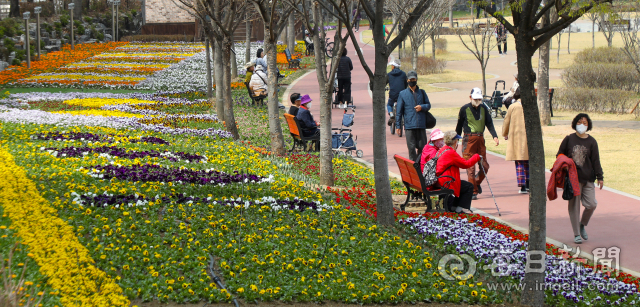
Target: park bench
296 133
446 19
619 25
414 182
484 26
293 63
254 99
551 91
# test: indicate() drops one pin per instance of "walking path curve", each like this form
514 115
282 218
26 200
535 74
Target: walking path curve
615 222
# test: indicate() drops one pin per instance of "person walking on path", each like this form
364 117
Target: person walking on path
344 78
449 164
296 99
514 131
413 105
397 81
583 150
473 118
501 37
356 19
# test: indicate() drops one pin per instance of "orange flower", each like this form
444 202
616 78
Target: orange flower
54 60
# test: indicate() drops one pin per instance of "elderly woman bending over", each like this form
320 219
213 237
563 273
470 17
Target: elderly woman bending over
449 164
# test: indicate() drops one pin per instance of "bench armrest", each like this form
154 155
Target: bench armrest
448 183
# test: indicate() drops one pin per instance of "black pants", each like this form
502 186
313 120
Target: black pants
505 47
464 201
416 139
356 24
344 90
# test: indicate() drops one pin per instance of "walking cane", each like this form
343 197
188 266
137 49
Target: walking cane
487 178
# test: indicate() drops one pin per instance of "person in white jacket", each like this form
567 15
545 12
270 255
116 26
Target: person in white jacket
258 83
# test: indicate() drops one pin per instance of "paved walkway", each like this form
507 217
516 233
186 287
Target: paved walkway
614 223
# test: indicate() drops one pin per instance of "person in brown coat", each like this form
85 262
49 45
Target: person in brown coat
513 130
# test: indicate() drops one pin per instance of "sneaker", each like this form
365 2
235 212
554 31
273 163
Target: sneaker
523 190
504 53
500 53
474 197
583 232
479 189
577 240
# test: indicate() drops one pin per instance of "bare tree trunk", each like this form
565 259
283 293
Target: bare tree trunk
326 153
14 8
533 294
433 46
77 10
218 71
275 130
384 201
559 46
569 41
208 61
593 33
291 33
543 73
414 57
451 17
484 78
225 90
234 63
247 46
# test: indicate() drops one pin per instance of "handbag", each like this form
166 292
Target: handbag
567 194
430 120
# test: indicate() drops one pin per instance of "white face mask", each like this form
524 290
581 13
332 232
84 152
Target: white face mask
476 102
581 129
308 105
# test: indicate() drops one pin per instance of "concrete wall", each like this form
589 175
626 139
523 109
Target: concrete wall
166 11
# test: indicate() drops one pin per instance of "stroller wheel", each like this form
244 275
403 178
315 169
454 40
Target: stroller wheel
393 128
340 153
359 153
494 113
503 113
348 153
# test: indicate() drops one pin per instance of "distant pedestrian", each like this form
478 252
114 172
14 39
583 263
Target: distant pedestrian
356 19
514 131
296 99
397 81
473 118
501 36
583 150
344 78
413 105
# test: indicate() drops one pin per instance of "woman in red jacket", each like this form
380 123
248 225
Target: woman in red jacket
449 164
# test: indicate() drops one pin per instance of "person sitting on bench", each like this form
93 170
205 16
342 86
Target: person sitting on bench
307 123
250 66
259 82
295 103
449 164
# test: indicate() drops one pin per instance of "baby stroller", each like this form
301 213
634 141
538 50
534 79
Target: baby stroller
494 102
335 97
342 137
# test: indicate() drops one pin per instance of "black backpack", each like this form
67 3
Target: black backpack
429 171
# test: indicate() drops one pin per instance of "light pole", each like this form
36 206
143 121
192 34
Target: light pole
38 10
71 6
117 3
26 16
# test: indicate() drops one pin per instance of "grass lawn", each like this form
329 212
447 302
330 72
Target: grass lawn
447 113
565 60
450 75
569 115
556 83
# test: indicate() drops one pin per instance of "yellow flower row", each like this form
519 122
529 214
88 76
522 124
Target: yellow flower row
99 102
155 55
85 77
53 243
109 64
104 113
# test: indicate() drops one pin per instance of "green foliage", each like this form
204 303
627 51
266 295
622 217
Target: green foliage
21 55
80 30
10 27
64 20
88 19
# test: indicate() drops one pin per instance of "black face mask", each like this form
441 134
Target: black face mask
413 83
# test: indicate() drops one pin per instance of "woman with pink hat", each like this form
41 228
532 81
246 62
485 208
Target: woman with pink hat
436 141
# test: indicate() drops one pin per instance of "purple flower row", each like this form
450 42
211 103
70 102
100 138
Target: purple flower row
123 153
508 259
149 172
135 200
87 136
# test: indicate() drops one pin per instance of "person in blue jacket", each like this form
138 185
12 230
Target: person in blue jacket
413 105
397 81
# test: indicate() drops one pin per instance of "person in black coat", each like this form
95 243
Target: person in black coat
344 78
295 103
